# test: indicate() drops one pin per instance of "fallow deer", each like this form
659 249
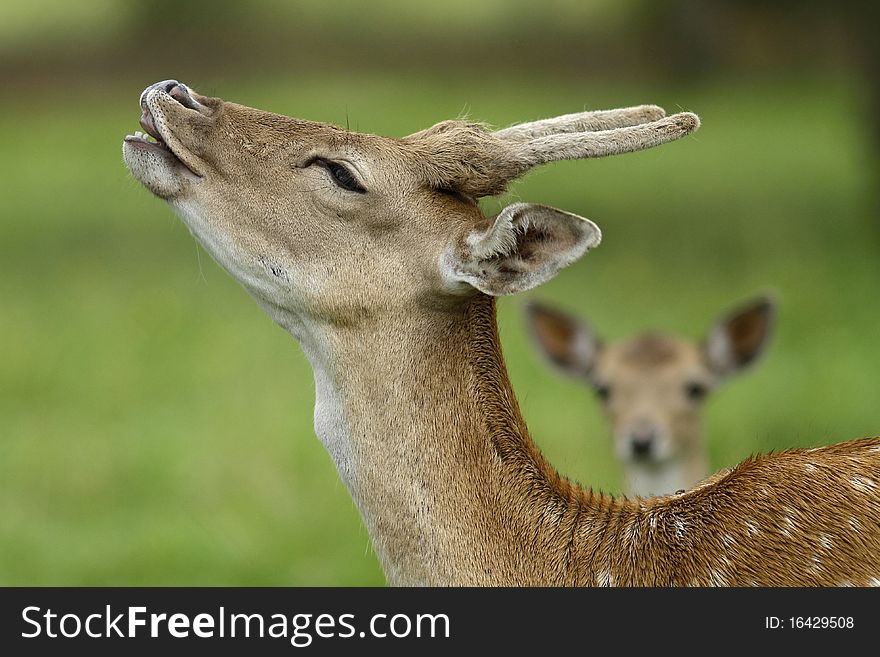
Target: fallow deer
653 386
374 255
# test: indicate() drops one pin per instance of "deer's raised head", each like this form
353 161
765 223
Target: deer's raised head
653 386
339 226
374 254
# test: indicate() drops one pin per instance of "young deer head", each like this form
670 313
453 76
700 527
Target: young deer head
373 253
335 227
653 386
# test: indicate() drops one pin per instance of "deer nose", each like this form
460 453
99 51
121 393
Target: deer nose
177 90
164 85
181 93
642 444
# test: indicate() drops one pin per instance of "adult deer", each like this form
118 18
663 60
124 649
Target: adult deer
653 386
373 254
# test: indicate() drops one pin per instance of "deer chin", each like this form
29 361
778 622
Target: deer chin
156 167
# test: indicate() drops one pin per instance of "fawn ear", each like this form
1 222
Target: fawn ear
739 338
566 342
525 246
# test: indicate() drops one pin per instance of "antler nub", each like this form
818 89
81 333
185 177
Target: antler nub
470 159
583 122
578 145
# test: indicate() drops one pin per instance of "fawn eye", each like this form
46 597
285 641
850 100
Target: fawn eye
695 391
603 392
341 175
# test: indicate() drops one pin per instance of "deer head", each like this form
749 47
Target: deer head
318 222
653 387
373 253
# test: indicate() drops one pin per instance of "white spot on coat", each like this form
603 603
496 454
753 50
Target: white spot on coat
863 484
679 528
717 578
789 527
604 578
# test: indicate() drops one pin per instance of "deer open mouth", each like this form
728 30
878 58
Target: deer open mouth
152 138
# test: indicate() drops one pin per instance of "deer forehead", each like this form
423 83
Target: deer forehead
252 147
651 359
241 135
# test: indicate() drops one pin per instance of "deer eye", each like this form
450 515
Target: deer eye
603 392
695 391
341 175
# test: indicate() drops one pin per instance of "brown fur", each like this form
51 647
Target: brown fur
650 350
465 157
638 542
413 399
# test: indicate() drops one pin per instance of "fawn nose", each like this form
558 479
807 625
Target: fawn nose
642 444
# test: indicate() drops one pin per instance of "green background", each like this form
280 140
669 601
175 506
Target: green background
156 427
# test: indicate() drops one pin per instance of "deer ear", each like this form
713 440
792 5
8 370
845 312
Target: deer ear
566 342
739 338
525 246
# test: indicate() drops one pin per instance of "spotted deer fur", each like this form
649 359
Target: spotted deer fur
373 254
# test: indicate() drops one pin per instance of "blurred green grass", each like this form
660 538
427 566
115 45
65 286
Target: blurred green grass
156 428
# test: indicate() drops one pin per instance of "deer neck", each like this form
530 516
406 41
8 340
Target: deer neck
421 421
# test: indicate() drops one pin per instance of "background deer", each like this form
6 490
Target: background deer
653 386
374 255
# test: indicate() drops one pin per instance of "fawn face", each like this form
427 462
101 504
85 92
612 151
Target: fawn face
653 386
